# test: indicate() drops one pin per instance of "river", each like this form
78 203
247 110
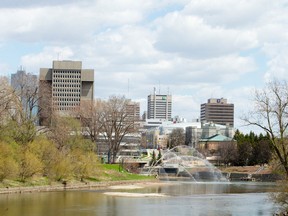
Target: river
179 198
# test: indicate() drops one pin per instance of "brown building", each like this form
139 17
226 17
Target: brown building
63 88
133 110
218 149
218 111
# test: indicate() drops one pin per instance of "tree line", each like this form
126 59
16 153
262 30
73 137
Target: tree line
67 147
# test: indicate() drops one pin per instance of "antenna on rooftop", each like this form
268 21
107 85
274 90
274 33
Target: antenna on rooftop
58 56
128 88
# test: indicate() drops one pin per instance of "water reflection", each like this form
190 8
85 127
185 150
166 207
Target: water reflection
185 198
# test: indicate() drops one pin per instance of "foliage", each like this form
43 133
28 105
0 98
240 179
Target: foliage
252 149
30 165
153 159
159 157
85 164
8 165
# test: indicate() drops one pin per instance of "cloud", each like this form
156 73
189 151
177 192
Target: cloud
33 62
192 37
193 49
227 13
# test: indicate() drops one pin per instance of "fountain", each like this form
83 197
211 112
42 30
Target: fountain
185 162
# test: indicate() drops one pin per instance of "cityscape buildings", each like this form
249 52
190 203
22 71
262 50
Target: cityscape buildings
159 106
63 88
217 111
21 79
133 110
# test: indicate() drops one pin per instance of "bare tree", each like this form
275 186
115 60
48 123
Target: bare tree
116 123
26 89
271 115
90 116
176 138
7 100
228 152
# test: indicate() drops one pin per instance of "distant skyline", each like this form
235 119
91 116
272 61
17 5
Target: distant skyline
195 49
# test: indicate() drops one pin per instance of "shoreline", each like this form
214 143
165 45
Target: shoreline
73 186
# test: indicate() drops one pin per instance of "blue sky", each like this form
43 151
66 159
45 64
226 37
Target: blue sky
195 49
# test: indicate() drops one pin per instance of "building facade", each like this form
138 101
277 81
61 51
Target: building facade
64 87
217 111
133 110
159 106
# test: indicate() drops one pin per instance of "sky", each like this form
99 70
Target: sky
191 49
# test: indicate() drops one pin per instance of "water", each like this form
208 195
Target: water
183 198
186 161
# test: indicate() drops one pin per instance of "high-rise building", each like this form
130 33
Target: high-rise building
133 110
159 106
22 80
64 87
218 111
25 86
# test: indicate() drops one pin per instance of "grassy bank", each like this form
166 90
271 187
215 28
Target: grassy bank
109 174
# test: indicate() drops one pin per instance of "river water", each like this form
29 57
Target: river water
181 198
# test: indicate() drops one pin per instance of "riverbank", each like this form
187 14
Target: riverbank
74 186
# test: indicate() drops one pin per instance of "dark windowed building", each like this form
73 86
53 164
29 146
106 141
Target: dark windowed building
218 111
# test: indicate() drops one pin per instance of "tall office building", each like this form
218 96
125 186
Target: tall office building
64 87
159 106
23 81
133 110
218 111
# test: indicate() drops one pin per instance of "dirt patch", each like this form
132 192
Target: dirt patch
247 169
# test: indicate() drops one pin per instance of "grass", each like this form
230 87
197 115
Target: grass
116 173
107 172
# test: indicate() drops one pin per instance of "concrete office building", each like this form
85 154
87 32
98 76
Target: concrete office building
64 87
218 111
159 106
133 110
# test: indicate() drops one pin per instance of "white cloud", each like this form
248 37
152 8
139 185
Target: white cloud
192 37
197 49
33 62
227 13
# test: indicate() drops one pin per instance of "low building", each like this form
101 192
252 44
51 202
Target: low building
217 148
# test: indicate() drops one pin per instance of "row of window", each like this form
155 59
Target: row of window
66 94
66 90
67 85
66 104
67 99
66 81
67 76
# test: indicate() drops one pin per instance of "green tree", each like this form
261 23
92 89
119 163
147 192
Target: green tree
30 164
159 157
153 159
84 163
8 165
